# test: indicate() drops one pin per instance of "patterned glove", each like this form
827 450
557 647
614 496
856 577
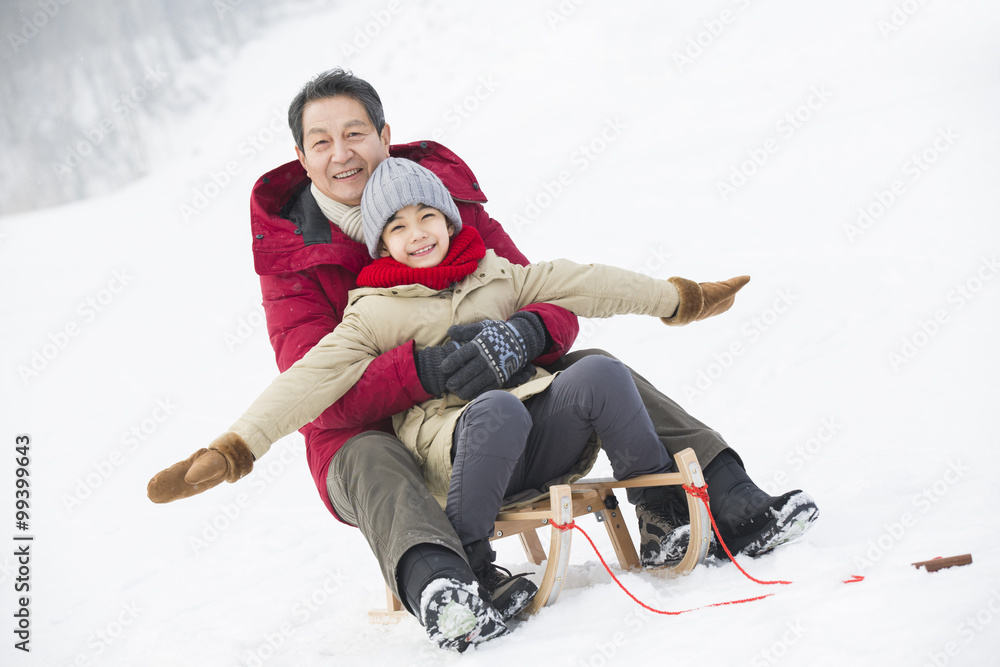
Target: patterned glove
493 354
429 371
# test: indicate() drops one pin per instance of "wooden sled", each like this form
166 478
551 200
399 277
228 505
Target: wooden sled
588 496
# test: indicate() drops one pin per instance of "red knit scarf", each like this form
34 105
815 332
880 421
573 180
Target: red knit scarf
464 253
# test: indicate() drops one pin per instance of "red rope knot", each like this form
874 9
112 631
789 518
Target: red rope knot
699 492
563 527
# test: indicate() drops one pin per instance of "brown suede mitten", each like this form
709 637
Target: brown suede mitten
227 459
702 300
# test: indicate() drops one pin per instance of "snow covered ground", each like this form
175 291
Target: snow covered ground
843 154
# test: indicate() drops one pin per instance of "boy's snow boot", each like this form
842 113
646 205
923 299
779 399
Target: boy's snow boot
750 521
439 588
511 593
665 528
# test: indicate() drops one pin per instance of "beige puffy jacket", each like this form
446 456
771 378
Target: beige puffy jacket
379 319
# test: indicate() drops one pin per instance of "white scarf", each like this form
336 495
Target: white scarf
348 218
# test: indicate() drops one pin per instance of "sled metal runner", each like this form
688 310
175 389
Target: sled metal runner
564 503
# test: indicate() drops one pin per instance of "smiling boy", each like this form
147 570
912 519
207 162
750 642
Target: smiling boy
416 235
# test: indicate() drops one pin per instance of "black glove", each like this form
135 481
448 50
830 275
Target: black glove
493 354
428 362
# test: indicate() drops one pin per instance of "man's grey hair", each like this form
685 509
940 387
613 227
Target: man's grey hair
333 83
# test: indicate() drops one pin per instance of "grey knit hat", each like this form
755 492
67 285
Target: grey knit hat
396 183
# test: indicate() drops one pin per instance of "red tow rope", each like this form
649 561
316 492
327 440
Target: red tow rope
700 492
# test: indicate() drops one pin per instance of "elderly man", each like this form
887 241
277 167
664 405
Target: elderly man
308 249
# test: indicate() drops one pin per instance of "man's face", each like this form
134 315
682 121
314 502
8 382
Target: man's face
342 147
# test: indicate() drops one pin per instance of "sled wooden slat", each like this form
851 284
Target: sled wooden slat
393 613
561 507
566 502
532 546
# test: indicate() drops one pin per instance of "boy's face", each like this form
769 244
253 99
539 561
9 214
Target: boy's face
417 236
342 147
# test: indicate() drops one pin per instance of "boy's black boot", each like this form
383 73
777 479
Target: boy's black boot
665 527
511 593
750 521
439 588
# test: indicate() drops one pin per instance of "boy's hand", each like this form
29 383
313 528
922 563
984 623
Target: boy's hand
493 354
698 301
227 459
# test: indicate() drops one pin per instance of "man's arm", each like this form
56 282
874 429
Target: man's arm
300 312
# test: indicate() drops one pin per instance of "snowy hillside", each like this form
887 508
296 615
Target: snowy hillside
842 154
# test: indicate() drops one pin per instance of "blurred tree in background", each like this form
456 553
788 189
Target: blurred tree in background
83 82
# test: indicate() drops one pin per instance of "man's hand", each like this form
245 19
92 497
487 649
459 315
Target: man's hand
428 363
227 459
493 354
698 301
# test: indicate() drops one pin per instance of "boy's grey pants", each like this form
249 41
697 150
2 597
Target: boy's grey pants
375 484
503 446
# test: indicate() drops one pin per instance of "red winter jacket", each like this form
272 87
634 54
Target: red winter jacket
306 267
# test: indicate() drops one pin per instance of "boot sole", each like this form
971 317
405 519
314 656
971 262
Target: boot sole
456 618
789 521
519 601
